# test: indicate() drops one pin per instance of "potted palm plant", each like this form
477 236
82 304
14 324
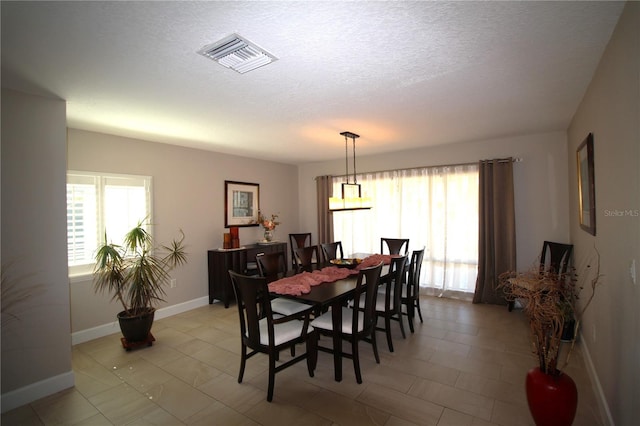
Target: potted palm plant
135 274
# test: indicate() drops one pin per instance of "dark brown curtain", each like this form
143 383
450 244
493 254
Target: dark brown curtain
497 229
324 190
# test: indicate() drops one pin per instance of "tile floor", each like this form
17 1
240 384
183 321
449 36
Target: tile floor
465 365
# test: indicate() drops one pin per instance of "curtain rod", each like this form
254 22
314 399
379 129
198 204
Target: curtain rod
500 160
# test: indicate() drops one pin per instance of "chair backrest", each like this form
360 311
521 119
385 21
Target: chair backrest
395 277
415 268
298 240
330 251
367 289
394 245
305 257
555 257
271 266
252 295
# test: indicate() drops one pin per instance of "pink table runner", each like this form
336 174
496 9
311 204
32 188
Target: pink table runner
299 284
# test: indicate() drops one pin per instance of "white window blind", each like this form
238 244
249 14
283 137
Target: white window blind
99 203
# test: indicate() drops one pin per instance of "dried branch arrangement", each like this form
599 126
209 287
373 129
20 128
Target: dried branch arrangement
549 299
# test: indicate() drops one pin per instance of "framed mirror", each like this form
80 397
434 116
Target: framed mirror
242 202
586 185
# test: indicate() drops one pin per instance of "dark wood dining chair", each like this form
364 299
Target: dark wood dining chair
306 258
332 251
388 304
555 258
298 240
410 297
262 332
394 245
273 266
356 324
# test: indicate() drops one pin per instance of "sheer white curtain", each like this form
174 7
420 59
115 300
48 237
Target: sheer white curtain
435 207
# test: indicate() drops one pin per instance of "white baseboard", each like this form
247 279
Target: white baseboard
113 327
602 401
35 391
182 307
94 333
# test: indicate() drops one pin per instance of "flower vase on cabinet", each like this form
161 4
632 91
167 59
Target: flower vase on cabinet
269 226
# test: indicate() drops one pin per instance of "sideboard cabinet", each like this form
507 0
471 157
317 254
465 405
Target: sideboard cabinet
220 261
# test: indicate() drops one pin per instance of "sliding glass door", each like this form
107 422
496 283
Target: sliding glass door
435 207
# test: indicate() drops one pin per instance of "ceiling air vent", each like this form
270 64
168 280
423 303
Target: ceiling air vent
238 54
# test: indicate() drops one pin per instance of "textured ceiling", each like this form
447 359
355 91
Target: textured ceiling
401 74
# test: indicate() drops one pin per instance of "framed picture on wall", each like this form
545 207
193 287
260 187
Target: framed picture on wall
586 185
241 203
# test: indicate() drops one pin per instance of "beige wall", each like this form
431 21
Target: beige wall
188 193
36 343
611 111
540 182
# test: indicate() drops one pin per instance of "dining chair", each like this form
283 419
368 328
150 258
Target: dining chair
298 240
267 333
388 304
330 251
394 245
558 258
273 266
306 258
555 258
356 324
410 296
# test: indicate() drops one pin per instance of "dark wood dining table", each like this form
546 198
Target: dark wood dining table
333 295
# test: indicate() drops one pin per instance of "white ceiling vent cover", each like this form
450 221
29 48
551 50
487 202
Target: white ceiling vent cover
237 53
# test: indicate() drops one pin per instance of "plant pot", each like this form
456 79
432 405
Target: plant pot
136 328
552 399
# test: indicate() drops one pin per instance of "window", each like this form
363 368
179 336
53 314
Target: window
435 207
99 203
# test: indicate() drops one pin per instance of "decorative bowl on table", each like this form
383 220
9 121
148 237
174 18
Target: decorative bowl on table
346 263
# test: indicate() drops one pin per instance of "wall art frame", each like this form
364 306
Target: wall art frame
586 185
241 203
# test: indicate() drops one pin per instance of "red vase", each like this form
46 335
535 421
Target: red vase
552 399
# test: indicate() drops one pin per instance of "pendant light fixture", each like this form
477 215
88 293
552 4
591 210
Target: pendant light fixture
351 192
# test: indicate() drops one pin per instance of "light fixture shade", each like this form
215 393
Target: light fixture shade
351 192
351 199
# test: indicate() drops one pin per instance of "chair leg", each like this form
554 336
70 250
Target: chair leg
404 336
272 376
243 362
419 311
410 314
356 360
374 343
387 326
293 351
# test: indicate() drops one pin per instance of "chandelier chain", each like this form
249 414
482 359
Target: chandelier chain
355 179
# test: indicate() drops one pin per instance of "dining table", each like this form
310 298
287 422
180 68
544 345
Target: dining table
329 294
